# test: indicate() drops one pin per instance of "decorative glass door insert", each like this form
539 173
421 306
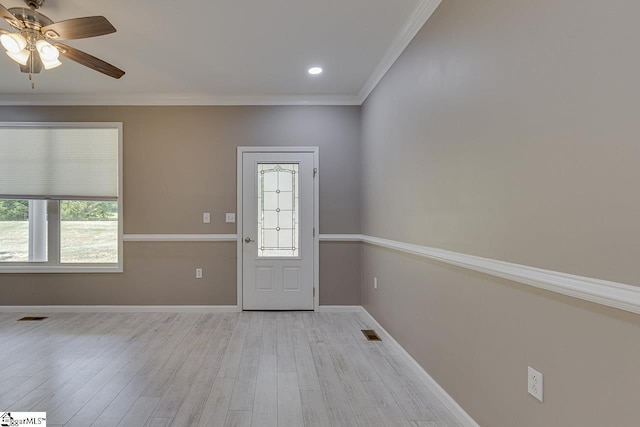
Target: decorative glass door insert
278 215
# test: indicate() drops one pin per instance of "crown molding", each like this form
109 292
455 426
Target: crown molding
416 21
418 18
126 99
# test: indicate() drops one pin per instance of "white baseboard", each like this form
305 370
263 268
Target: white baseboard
453 406
152 309
119 309
340 309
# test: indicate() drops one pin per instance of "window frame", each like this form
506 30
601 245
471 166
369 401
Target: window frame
50 267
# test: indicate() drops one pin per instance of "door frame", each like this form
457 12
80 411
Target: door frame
316 215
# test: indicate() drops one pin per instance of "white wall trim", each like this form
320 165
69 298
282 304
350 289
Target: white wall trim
223 237
419 17
119 309
453 406
180 237
341 237
65 269
172 99
340 309
612 294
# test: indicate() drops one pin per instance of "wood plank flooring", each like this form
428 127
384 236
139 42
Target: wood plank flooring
280 369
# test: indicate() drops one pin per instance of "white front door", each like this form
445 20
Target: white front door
277 231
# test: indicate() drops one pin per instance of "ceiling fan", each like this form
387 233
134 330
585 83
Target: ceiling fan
34 43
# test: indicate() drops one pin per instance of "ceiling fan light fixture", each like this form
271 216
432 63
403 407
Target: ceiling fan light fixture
33 41
47 51
21 57
49 65
13 42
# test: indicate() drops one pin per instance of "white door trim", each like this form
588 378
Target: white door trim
316 215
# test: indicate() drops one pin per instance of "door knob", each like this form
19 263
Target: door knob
248 240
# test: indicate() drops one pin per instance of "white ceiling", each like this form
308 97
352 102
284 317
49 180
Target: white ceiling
225 51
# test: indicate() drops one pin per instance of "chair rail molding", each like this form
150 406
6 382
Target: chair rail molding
180 237
612 294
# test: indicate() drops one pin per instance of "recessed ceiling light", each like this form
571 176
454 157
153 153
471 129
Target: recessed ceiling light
315 70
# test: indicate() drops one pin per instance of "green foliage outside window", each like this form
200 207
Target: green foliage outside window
79 210
14 210
72 210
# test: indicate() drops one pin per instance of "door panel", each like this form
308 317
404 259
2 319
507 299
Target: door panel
291 279
264 279
277 230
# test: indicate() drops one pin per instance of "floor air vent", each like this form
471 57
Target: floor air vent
32 318
371 335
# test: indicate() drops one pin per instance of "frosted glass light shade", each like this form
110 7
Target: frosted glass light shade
21 57
47 51
13 42
48 65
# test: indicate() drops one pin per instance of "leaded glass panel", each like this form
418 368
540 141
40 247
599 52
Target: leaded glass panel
278 215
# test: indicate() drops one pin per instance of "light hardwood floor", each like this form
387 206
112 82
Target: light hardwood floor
262 369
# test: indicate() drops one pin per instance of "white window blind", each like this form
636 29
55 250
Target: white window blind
59 162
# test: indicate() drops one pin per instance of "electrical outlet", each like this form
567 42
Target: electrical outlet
375 283
206 218
198 273
535 383
230 217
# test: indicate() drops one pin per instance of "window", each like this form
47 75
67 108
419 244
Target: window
60 197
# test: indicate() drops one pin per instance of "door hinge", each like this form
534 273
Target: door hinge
314 232
314 292
315 172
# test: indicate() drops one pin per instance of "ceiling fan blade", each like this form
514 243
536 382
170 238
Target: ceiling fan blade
79 28
90 61
8 16
34 64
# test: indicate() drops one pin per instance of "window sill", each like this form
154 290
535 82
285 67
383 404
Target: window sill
31 269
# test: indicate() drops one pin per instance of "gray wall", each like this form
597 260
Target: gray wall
508 130
180 162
